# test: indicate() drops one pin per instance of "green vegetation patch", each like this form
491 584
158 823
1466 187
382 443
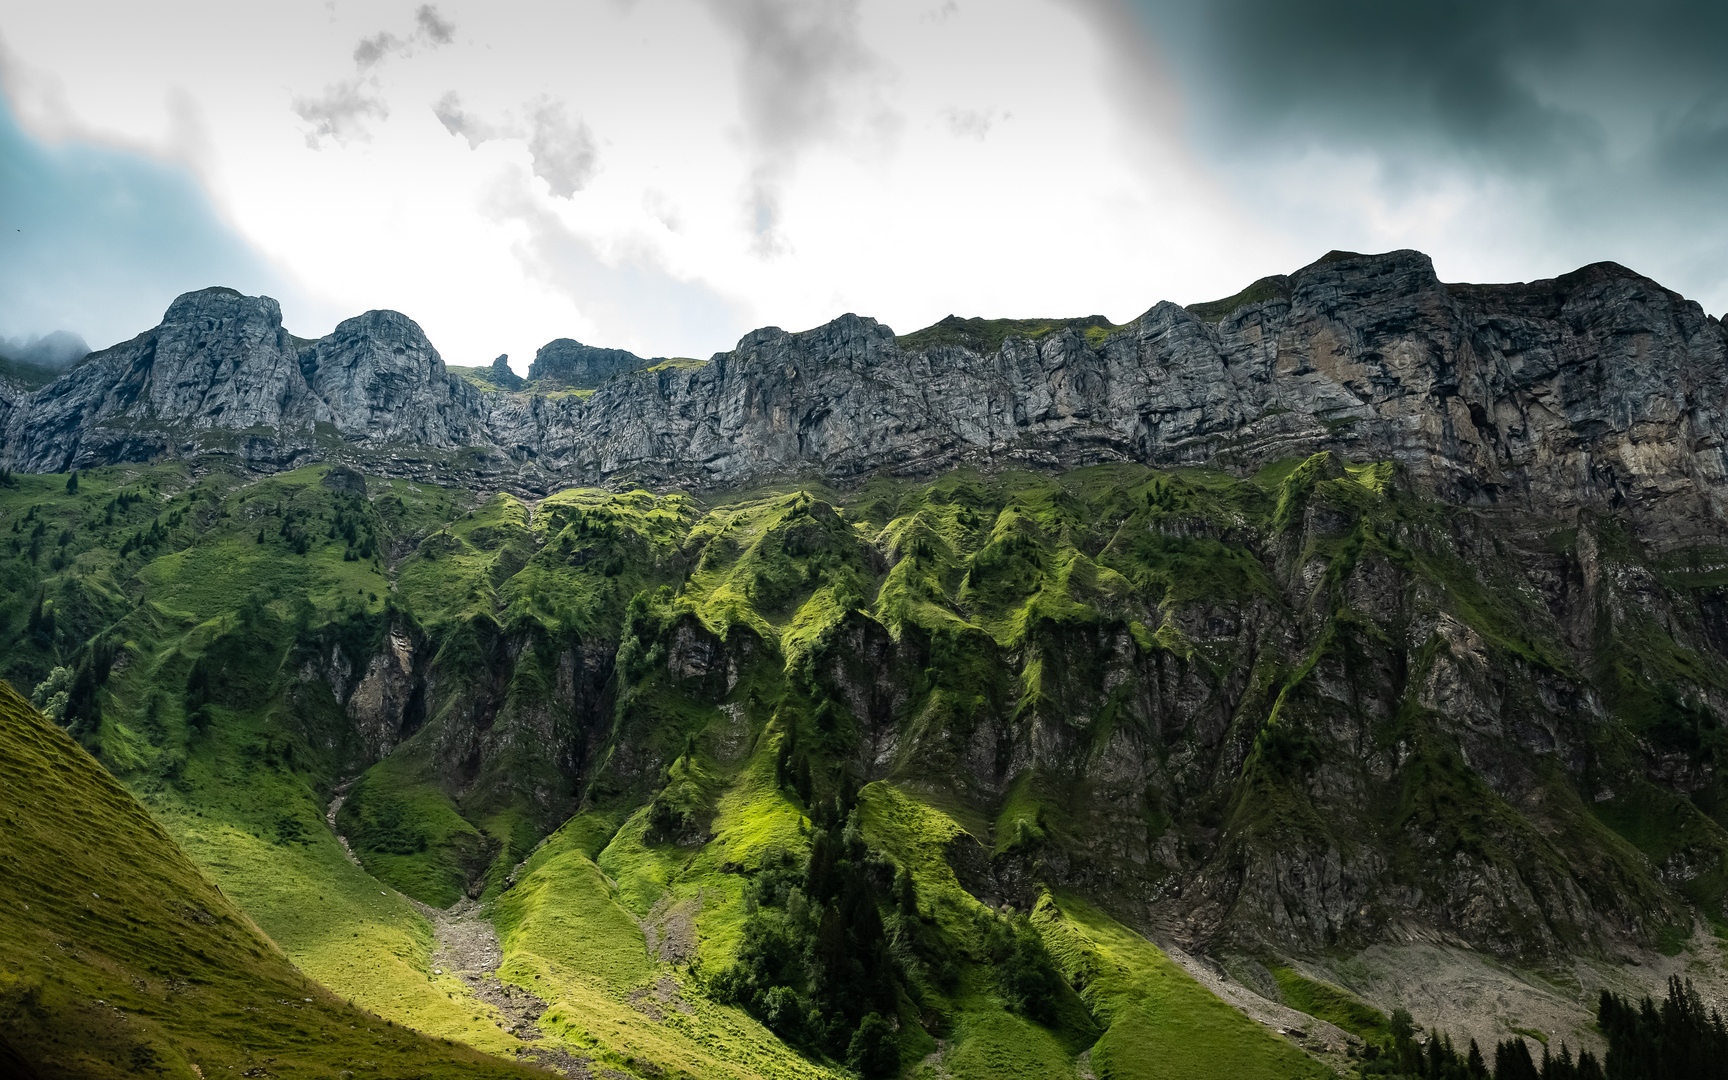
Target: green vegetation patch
986 336
118 958
1276 287
1333 1004
1160 1022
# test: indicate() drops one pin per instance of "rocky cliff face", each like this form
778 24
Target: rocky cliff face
567 362
503 377
221 373
1600 388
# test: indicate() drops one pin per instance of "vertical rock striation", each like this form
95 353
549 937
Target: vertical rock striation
1597 389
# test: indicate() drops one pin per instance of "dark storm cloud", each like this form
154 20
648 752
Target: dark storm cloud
98 241
1554 132
1527 86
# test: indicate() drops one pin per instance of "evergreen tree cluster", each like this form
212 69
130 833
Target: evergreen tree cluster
1440 1059
1025 975
818 963
833 945
236 665
40 626
354 527
792 768
145 539
36 534
119 504
1676 1039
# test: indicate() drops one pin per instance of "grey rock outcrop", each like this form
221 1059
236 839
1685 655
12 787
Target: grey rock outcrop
503 377
567 362
381 382
220 373
1597 389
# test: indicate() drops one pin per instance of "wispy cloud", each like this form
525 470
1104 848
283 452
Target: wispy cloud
807 78
372 50
562 149
459 121
970 123
433 28
342 110
621 291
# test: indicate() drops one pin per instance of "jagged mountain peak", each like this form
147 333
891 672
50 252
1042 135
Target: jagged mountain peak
568 363
1596 389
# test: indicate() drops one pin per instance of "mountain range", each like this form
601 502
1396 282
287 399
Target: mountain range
1231 691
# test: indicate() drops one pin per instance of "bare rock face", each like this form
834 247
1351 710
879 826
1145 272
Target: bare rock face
386 705
383 383
219 362
502 376
1599 389
568 362
221 374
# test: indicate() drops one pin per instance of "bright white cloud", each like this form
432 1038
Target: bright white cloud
665 174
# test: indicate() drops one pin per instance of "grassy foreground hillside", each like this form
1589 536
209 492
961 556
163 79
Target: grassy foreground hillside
118 958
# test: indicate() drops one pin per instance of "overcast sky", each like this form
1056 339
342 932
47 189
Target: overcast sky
663 175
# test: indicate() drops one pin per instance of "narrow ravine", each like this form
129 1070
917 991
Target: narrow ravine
467 946
340 796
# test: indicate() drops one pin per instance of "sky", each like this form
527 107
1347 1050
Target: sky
665 175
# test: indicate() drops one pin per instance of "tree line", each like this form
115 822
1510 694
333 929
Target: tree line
1677 1040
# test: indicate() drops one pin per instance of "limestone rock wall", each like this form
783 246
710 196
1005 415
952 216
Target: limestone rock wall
1598 390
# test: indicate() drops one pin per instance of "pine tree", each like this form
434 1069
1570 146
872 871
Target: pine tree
804 787
906 893
1512 1061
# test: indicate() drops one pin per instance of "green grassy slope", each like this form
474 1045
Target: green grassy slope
240 772
1039 700
1162 1024
118 958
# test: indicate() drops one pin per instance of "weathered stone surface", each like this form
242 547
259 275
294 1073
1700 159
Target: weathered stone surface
568 362
503 377
1599 389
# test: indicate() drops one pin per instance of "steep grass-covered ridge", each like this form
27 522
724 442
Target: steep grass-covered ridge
797 781
119 958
